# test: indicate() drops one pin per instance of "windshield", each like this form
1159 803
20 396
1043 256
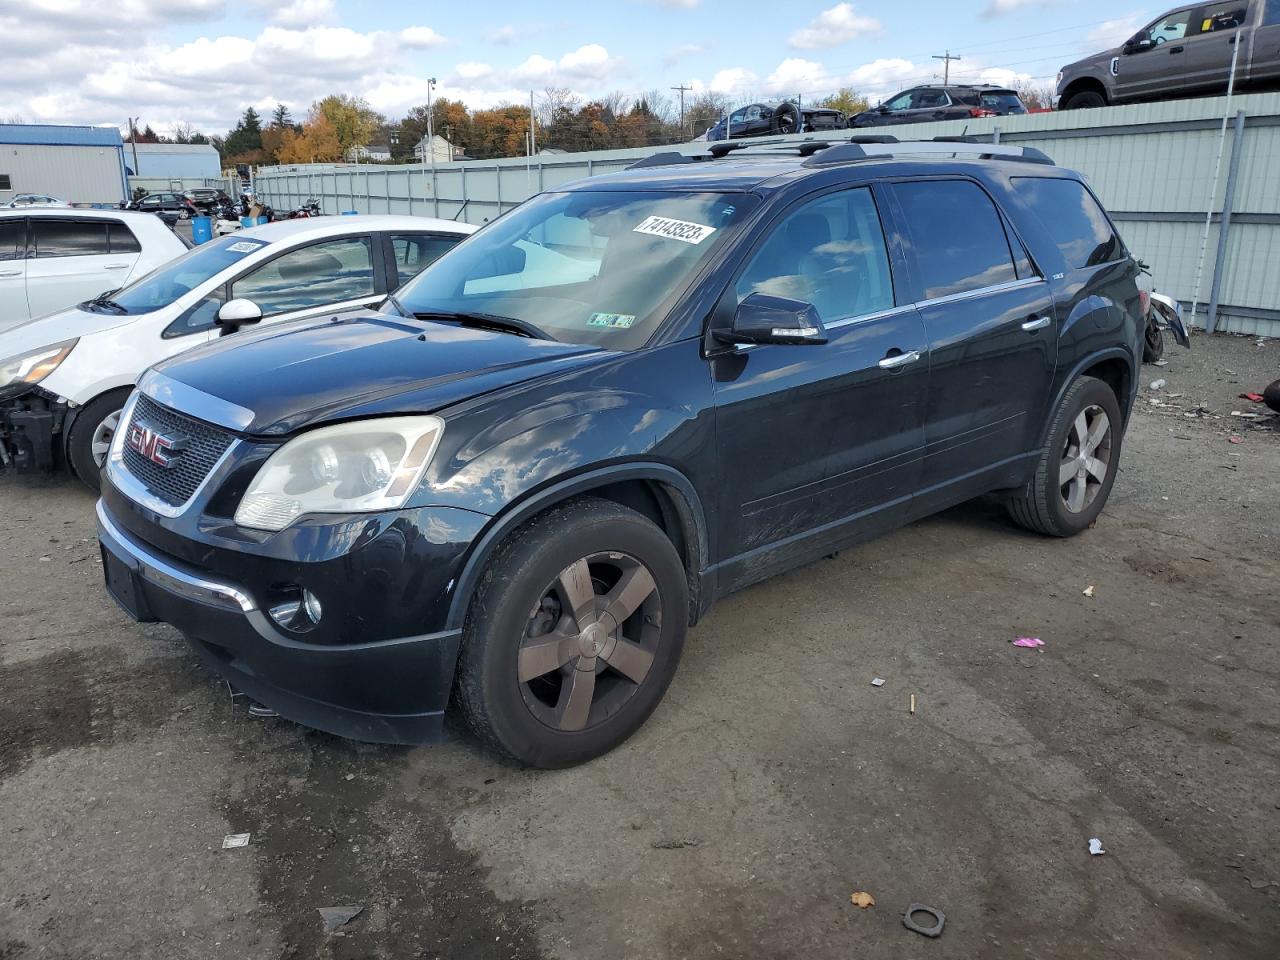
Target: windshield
167 283
587 267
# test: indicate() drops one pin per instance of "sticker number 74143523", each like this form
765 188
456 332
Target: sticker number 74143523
681 230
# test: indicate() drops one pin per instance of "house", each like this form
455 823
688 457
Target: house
437 150
373 153
77 164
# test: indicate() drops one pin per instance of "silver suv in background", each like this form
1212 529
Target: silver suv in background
1185 52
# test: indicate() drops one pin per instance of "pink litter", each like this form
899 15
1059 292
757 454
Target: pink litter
1028 642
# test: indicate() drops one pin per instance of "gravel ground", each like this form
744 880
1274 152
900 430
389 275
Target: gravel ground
772 783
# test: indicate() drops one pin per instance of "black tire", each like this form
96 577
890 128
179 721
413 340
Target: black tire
85 431
522 598
1271 396
786 119
1152 343
1044 505
1084 99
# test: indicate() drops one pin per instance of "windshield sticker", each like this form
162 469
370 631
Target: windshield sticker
681 230
614 321
245 246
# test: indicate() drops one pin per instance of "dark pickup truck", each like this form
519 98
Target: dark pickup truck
1186 52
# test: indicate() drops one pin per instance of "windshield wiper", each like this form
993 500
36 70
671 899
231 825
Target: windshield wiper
104 300
488 321
391 299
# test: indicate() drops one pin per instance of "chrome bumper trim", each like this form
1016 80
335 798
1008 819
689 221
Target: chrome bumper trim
169 577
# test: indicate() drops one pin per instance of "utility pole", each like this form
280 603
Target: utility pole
946 65
533 136
682 88
133 139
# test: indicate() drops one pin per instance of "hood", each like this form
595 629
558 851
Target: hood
57 327
363 364
1095 61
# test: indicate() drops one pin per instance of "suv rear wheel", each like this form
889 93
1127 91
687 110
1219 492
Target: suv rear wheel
1077 466
573 635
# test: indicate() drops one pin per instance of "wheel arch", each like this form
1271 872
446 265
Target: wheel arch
1113 367
1085 84
655 490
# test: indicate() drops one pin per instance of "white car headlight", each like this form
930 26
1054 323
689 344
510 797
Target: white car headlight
30 368
354 467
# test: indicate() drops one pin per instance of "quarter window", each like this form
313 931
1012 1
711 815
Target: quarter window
1072 218
5 182
956 235
313 276
121 238
829 252
68 238
416 251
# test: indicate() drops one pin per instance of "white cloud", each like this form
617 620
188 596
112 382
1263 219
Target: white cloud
1001 8
589 64
675 4
733 81
837 26
471 70
796 76
421 38
681 52
501 36
1112 33
304 13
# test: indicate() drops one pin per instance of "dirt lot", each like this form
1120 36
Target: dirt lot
772 783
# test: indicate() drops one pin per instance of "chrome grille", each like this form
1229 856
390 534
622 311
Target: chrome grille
205 445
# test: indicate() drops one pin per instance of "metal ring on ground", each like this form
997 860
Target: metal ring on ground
937 914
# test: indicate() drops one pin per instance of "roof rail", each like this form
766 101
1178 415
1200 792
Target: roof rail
664 159
860 149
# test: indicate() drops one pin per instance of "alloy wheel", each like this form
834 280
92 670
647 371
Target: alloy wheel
590 641
100 442
1086 458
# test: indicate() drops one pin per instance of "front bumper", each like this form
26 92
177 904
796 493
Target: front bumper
29 427
382 690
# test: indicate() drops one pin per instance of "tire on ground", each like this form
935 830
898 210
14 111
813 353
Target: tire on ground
487 689
85 425
1040 505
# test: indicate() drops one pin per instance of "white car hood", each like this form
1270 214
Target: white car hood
55 328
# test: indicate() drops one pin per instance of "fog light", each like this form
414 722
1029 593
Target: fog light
294 608
312 604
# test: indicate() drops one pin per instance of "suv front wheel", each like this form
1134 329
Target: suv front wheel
573 635
1077 466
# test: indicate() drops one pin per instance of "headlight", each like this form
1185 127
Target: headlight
28 369
351 468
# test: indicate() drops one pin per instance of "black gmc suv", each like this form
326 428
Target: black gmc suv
515 486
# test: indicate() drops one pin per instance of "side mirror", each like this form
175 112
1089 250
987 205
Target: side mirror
501 263
1137 44
762 318
883 108
235 314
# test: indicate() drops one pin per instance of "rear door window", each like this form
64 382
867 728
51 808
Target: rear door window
956 236
121 238
13 238
1072 218
311 276
415 252
68 238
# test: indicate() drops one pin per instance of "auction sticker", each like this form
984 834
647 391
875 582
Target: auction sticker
615 321
681 230
245 246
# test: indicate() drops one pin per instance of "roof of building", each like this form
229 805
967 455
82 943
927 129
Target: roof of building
39 134
200 148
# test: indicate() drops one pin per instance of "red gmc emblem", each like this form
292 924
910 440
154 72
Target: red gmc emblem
155 447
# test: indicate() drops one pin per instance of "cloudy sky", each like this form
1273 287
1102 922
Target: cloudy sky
203 61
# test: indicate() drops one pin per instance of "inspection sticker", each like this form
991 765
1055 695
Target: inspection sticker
617 321
681 230
245 246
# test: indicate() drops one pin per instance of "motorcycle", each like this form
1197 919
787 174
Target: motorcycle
309 209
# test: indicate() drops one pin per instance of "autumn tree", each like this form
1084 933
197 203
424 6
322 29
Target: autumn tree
847 100
499 132
352 120
318 142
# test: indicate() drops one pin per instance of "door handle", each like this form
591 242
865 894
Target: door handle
1173 50
1036 323
11 273
899 360
116 266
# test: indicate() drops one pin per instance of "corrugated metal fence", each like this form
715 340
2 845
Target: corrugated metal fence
1151 163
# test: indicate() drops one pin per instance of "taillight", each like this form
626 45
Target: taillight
1144 300
980 112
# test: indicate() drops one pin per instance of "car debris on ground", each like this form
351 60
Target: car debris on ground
232 840
335 917
909 922
1032 642
1095 847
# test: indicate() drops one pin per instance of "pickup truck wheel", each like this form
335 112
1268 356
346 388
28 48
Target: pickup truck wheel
1077 466
1084 100
573 635
91 435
